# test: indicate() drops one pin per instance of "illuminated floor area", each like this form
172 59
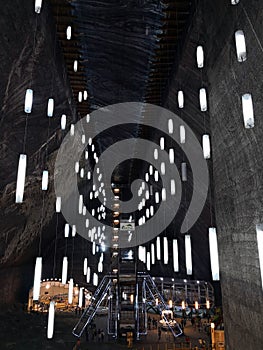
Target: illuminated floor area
23 331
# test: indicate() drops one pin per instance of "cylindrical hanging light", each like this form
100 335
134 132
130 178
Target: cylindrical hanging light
148 261
88 275
240 46
95 279
184 171
85 266
163 168
68 32
196 305
158 248
214 253
200 56
163 194
66 230
75 66
81 297
182 134
37 278
58 204
80 203
21 175
155 153
206 146
170 126
175 255
171 155
72 129
70 291
248 111
44 180
38 5
173 189
63 122
180 97
157 198
74 230
188 254
64 270
203 100
162 143
165 250
80 96
51 320
28 101
156 175
152 254
50 107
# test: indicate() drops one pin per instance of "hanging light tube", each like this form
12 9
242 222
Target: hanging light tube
28 101
38 5
213 253
37 278
188 255
203 100
63 122
155 154
75 66
165 250
66 230
72 129
182 134
175 255
180 98
58 204
240 46
88 275
171 155
158 248
206 146
70 291
163 194
45 180
152 254
69 32
64 270
259 229
148 261
81 297
74 230
173 189
85 266
248 111
234 2
95 279
200 56
51 320
170 126
80 203
162 168
50 107
21 175
184 171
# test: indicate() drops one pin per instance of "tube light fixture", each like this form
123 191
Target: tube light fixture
248 111
162 168
72 129
21 175
51 319
180 98
152 254
171 155
188 255
259 229
170 126
58 204
85 266
75 66
184 171
200 56
37 278
85 96
28 101
157 197
162 143
63 122
64 270
155 153
165 250
50 107
206 146
88 275
240 46
81 297
148 261
80 96
203 100
66 230
70 291
38 5
175 255
44 180
214 253
74 230
95 279
156 175
173 189
163 194
158 248
196 305
80 203
234 2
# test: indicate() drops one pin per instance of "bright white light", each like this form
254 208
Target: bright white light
81 173
171 155
214 253
184 172
175 256
158 248
240 46
203 100
88 275
38 5
156 175
152 254
63 122
85 95
64 270
80 96
234 2
87 223
173 187
72 129
147 177
37 278
147 194
148 261
75 66
77 167
170 126
206 146
68 32
188 255
182 134
259 229
163 194
162 143
28 101
21 175
163 168
74 230
44 185
80 204
157 198
51 319
93 248
66 230
248 111
58 204
70 291
151 210
155 153
180 98
95 279
200 56
151 170
165 250
87 116
50 107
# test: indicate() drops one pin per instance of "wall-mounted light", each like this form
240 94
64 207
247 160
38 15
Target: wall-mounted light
240 46
248 111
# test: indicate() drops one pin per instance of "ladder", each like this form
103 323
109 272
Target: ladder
90 311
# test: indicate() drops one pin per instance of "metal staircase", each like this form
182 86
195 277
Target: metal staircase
90 311
113 310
